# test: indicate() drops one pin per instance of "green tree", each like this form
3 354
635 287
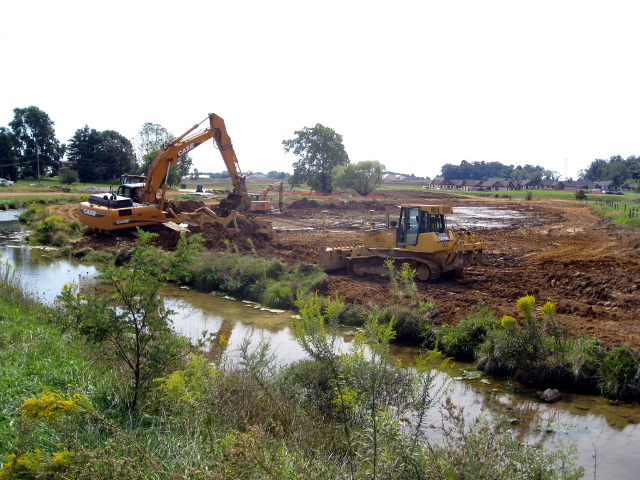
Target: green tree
617 171
115 155
39 151
320 149
363 177
68 176
150 141
82 152
151 137
580 195
128 319
178 171
8 155
100 155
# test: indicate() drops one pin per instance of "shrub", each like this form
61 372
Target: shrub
461 341
96 256
278 295
618 374
262 280
50 231
412 323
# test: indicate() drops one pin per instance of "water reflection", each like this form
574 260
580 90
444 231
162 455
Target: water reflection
40 274
237 321
485 217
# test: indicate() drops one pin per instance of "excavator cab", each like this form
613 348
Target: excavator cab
132 191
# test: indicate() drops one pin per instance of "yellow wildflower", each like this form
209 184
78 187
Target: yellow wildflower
526 304
61 459
49 405
549 309
508 321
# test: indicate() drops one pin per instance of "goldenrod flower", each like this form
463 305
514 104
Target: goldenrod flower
49 405
549 309
508 321
526 305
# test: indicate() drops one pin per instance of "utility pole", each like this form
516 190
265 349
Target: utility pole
38 160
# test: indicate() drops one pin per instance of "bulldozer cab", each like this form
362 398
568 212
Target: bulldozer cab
415 220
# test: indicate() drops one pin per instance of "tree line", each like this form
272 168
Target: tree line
616 168
29 148
483 170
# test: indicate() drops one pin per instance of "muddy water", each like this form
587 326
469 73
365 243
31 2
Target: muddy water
608 432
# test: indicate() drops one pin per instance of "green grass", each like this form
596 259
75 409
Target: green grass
16 203
619 214
35 356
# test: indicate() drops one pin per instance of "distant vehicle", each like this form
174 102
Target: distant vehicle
619 193
5 182
607 192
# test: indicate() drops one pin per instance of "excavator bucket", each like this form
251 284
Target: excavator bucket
235 201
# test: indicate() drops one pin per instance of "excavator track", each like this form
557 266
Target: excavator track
426 270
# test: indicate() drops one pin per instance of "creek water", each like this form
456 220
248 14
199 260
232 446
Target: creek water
607 436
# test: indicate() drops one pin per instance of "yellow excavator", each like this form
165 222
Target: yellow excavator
144 205
260 203
420 238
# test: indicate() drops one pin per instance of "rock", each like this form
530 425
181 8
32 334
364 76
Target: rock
551 395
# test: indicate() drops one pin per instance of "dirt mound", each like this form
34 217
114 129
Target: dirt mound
216 238
304 203
69 211
185 205
219 238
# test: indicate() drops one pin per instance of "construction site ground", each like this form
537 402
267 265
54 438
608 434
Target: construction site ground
557 251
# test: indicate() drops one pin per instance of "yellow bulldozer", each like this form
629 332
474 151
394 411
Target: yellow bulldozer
420 238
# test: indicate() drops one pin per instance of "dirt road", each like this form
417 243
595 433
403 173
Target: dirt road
587 266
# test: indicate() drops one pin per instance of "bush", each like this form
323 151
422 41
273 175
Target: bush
618 374
48 229
278 295
262 280
461 341
412 323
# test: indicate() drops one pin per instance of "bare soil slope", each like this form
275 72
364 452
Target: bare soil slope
587 266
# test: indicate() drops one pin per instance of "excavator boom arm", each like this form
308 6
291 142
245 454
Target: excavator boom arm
180 146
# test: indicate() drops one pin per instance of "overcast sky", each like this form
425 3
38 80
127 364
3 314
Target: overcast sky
412 84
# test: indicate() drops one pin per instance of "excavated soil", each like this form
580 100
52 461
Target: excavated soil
563 253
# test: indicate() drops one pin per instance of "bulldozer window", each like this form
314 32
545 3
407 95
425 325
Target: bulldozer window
437 223
412 225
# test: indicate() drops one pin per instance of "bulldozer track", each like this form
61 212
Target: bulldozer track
426 270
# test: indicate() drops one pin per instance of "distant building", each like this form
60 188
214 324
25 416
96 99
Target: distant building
498 185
